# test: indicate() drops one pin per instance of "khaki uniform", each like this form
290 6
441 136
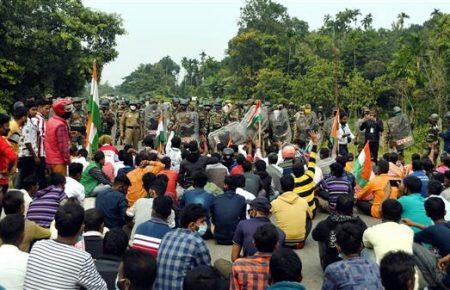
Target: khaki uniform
130 131
216 120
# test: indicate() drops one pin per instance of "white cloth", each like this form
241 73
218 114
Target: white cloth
39 122
81 160
74 189
143 212
173 153
388 236
446 194
248 197
29 135
117 166
344 130
13 266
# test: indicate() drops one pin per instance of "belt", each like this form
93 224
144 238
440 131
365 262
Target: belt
131 127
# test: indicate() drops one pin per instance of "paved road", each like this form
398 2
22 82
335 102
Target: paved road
312 272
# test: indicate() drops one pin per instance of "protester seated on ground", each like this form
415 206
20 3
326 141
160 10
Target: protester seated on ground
48 257
252 181
29 188
446 192
445 163
182 249
326 158
390 235
259 212
266 179
136 271
227 159
288 156
148 235
94 229
93 178
82 158
105 143
172 177
434 190
13 262
438 234
216 172
204 278
239 181
325 231
285 269
125 164
73 186
173 151
334 186
46 201
240 159
292 214
349 163
353 271
113 204
194 162
417 171
156 186
13 203
275 172
408 167
428 167
396 169
199 195
252 272
378 189
412 202
348 175
115 244
397 271
226 212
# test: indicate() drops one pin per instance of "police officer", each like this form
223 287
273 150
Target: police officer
78 124
186 123
216 116
397 130
107 117
130 124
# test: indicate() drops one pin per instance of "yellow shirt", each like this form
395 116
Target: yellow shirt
290 212
14 135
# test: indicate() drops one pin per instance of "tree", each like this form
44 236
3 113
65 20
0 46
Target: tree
49 46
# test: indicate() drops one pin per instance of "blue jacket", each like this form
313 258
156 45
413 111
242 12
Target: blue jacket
114 206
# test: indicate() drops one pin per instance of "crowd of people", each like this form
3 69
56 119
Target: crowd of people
142 217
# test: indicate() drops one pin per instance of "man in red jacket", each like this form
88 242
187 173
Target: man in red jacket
7 156
57 140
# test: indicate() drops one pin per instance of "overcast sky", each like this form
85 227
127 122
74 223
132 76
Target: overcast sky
187 27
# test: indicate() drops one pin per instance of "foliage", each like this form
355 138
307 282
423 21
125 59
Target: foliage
49 46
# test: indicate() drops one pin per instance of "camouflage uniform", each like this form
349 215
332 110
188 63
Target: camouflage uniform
78 124
216 120
152 113
186 123
399 135
304 123
130 125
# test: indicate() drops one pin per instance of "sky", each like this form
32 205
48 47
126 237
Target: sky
178 28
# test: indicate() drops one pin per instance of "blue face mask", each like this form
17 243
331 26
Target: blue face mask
202 229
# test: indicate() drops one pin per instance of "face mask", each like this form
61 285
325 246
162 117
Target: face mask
118 284
202 229
67 115
133 108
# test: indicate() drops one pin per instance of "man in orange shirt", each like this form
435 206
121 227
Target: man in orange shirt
146 163
370 198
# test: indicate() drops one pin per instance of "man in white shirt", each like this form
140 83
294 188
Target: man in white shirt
39 121
240 184
389 235
13 262
29 159
344 135
73 186
173 151
81 158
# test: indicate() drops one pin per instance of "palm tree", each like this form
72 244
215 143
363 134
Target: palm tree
367 21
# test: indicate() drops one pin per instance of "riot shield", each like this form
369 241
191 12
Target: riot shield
400 133
233 132
187 126
151 117
280 126
252 131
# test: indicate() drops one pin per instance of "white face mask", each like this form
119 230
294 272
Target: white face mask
202 229
133 108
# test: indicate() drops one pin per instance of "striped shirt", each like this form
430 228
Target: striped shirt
39 122
251 273
149 234
335 186
43 208
304 185
53 265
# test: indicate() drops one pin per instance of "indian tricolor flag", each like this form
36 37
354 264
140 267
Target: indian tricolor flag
255 116
161 136
93 108
362 169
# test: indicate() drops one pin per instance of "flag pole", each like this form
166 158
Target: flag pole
259 132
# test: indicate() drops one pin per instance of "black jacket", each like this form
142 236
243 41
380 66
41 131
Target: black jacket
107 267
325 234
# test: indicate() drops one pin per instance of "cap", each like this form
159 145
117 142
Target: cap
184 102
397 109
228 151
61 106
434 116
308 107
76 100
261 204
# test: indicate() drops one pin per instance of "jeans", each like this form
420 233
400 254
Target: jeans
26 167
374 146
343 150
